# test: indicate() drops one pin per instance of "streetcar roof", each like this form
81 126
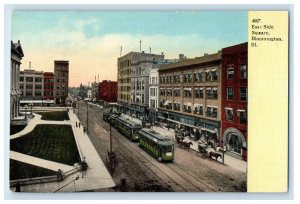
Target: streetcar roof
129 122
155 136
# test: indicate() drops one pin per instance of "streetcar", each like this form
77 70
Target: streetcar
160 147
128 128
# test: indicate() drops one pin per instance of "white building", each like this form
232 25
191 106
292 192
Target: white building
16 57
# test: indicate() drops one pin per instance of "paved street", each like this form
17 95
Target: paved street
188 173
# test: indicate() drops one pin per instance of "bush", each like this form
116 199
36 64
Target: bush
16 128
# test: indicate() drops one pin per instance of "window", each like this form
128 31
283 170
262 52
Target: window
176 92
29 86
162 92
189 77
211 112
21 86
187 92
230 73
176 79
198 109
38 93
230 93
28 93
208 75
169 92
29 79
212 93
38 79
185 78
244 72
229 114
37 86
242 116
243 94
21 78
198 92
187 108
57 80
214 74
57 87
176 106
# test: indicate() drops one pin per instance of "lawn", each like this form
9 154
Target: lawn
20 170
54 115
16 128
51 142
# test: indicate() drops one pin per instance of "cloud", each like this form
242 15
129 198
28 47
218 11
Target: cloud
90 55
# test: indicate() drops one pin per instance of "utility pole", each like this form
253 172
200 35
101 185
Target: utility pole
110 140
87 117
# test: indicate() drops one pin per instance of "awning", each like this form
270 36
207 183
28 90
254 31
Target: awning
207 71
166 103
226 108
187 89
213 70
211 106
244 67
240 110
197 104
208 88
209 130
37 101
215 89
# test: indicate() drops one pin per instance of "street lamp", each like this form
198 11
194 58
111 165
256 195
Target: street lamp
31 104
26 111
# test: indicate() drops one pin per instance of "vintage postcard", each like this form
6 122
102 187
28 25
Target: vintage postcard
156 101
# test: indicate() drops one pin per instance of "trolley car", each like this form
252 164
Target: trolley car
128 128
160 147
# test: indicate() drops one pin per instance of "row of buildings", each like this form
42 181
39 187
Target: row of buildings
206 95
45 88
30 87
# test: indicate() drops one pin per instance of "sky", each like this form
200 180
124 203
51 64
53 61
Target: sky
92 41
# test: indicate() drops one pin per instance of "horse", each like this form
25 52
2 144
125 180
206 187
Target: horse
185 144
214 154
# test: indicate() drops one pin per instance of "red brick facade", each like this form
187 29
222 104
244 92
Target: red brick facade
234 99
108 91
48 86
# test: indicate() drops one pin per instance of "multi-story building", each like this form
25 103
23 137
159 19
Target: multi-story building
108 91
234 99
94 88
133 81
16 57
31 85
61 82
153 86
190 96
48 86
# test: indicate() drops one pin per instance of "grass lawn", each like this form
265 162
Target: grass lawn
20 170
54 115
52 142
16 128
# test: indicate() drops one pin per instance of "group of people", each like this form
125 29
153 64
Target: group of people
78 125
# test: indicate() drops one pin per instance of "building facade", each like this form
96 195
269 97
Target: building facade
48 86
31 84
15 92
133 82
108 91
190 96
61 82
234 99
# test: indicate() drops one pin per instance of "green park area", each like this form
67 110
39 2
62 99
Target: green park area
54 115
20 170
51 142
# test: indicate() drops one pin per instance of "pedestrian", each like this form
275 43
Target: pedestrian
79 124
83 130
76 123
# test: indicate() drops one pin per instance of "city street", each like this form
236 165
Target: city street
189 172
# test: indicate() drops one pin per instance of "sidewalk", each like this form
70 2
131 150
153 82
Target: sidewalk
95 177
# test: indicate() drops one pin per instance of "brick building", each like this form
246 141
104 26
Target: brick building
234 99
108 91
190 96
61 82
48 86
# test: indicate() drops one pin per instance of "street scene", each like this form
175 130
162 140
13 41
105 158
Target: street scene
112 105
